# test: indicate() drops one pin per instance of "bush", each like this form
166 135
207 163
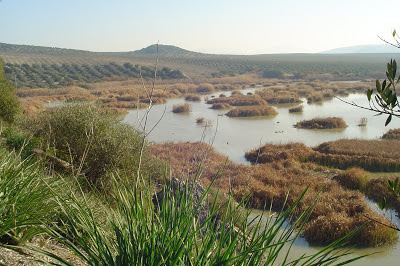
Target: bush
193 97
181 108
247 111
9 104
219 106
90 138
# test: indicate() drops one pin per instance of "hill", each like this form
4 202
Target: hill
366 49
165 50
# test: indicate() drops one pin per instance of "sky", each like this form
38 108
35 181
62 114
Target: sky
208 26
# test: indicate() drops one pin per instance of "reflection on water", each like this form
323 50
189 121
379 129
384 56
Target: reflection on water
235 136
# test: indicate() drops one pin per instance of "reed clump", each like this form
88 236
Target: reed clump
296 109
193 97
252 111
239 100
322 123
181 108
392 134
219 106
354 178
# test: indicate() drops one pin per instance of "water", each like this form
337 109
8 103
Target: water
234 136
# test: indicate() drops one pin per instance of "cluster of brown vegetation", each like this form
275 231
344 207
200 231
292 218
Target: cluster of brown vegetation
181 108
322 123
219 106
336 212
251 111
200 120
354 178
371 155
392 134
193 97
296 109
239 99
278 96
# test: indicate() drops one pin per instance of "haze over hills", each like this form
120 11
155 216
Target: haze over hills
365 49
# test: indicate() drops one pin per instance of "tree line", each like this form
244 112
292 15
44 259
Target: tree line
58 75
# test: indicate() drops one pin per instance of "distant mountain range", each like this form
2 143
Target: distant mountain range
364 49
170 50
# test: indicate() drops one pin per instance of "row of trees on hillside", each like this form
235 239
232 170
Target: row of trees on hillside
53 76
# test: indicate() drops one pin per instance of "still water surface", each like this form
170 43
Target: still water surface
234 136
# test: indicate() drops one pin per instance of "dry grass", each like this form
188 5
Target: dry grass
181 108
322 123
336 213
252 111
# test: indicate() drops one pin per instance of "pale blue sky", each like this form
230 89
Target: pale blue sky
210 26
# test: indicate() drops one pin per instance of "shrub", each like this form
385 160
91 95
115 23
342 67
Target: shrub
90 138
248 111
353 178
9 104
322 123
181 108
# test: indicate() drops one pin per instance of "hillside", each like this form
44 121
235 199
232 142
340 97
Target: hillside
348 66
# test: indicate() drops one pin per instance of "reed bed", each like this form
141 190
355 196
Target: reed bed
296 109
181 108
392 134
322 123
239 100
252 111
219 106
353 178
193 97
272 180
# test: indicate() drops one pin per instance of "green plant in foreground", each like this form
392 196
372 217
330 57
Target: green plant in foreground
137 234
24 197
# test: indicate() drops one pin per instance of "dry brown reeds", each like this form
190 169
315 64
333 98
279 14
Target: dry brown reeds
322 123
205 88
181 108
371 155
336 213
251 111
219 106
200 120
239 100
193 97
354 178
392 134
296 109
